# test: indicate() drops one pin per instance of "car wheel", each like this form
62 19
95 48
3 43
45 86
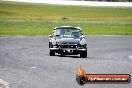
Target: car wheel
52 53
83 54
62 55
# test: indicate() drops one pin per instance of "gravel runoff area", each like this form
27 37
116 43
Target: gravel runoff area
25 62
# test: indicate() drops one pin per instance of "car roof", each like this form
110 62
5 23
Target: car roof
67 27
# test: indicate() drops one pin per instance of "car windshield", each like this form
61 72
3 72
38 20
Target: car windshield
67 32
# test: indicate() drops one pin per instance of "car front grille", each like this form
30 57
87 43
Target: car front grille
68 46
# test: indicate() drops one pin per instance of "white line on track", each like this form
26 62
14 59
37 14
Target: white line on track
4 84
31 67
130 57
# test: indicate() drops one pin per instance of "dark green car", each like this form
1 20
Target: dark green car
67 40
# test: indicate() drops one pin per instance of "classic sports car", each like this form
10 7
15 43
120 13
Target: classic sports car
67 40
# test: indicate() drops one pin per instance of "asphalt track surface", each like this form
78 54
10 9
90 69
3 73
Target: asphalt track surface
25 62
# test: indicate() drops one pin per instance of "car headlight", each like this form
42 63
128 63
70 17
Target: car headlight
53 41
83 41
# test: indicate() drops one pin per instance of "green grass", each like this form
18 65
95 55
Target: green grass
40 19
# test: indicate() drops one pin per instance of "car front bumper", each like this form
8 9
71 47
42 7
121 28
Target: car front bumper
68 50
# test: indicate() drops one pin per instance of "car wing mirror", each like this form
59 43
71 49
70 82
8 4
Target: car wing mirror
82 36
50 35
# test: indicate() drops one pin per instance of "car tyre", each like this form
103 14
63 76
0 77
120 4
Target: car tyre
62 55
83 54
52 53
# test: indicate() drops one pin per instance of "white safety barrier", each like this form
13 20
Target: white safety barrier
80 3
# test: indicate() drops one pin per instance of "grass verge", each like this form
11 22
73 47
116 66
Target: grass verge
40 19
